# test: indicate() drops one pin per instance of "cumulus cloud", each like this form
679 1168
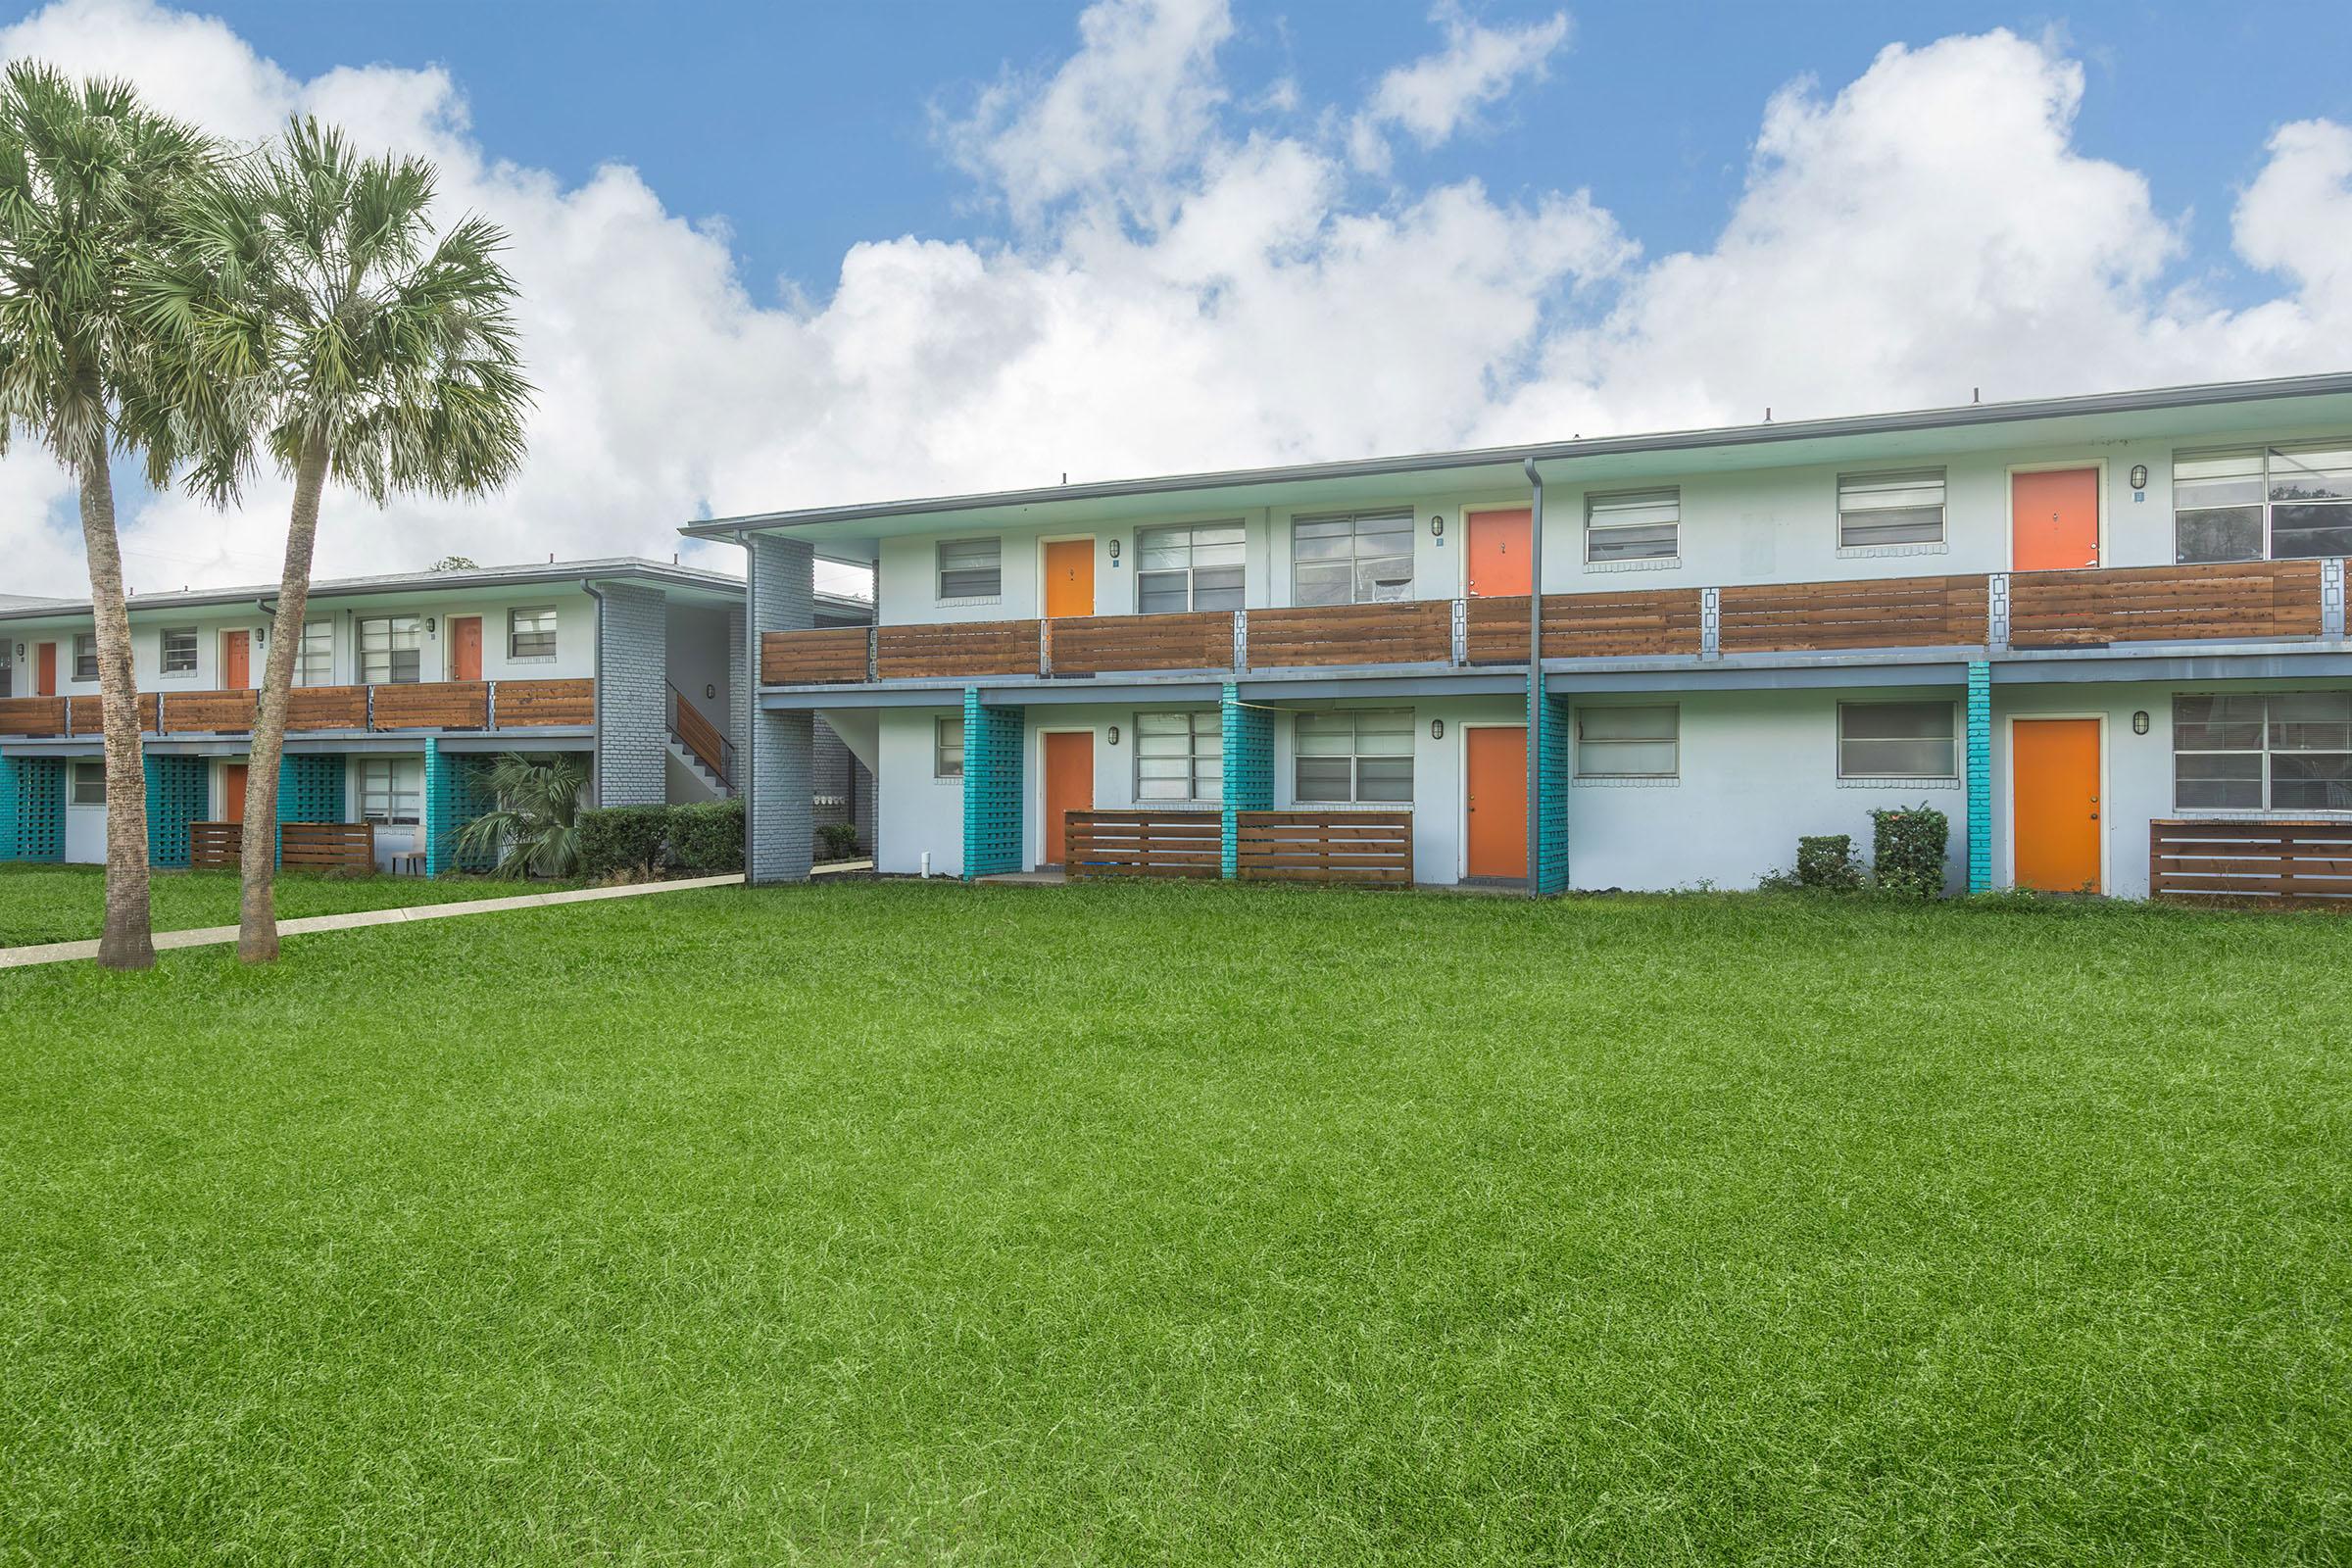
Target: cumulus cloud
1193 281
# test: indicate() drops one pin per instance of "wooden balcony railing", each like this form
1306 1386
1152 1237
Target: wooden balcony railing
434 705
2258 601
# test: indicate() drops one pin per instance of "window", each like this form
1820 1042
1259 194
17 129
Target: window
1197 567
2244 752
1180 756
86 656
947 749
1359 559
180 649
1638 525
392 791
531 633
391 651
971 569
2263 502
1894 740
1356 756
314 660
1890 508
1628 742
88 784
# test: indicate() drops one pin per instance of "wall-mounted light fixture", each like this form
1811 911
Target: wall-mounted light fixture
428 625
1114 734
1114 552
260 636
709 691
2140 722
1437 525
1437 729
2140 476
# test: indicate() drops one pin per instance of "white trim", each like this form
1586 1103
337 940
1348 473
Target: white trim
1461 815
2009 508
2009 794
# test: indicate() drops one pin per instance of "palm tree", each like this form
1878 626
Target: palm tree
534 830
87 175
325 327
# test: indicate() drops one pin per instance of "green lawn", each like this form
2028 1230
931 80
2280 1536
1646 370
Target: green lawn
916 1223
68 903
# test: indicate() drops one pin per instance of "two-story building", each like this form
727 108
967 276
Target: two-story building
400 681
2105 635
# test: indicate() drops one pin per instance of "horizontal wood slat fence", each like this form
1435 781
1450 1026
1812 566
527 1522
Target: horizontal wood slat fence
1888 613
326 708
1086 645
2159 604
2271 862
429 704
816 657
1325 847
958 648
539 703
1150 844
1411 632
304 846
1656 624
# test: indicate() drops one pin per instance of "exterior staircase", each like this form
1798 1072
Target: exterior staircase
720 788
699 746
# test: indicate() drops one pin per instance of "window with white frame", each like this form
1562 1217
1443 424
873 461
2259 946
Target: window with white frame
391 650
971 569
1633 525
1895 740
1350 757
1361 558
88 784
1890 508
2255 751
2263 502
179 651
1195 566
946 748
314 659
1628 742
86 656
531 633
392 791
1180 756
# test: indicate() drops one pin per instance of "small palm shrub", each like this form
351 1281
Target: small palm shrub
534 830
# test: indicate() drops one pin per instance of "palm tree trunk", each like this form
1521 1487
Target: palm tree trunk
257 926
127 940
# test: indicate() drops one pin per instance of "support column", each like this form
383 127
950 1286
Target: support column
779 838
991 787
1980 775
178 795
633 667
1548 716
1249 742
454 796
309 789
32 808
11 781
742 682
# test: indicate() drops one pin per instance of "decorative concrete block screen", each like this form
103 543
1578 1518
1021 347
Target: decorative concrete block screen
1249 737
1979 776
1547 717
991 787
454 796
32 808
177 794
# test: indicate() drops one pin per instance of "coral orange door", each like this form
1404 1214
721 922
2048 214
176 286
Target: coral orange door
1498 802
1070 578
1070 787
233 792
1499 553
2054 784
237 661
466 647
2054 520
44 674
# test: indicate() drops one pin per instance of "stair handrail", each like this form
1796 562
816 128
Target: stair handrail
679 704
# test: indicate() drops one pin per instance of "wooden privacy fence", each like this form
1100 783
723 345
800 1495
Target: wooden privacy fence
1159 844
2254 599
1325 846
812 657
2275 863
1192 639
1888 612
1409 632
1654 623
308 846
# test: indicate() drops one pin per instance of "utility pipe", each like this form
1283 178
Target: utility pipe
1534 680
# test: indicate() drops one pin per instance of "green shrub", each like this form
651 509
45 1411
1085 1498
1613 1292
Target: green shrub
1907 846
706 838
621 837
1827 860
836 840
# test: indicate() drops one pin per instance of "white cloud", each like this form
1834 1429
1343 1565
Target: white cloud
1436 95
1193 285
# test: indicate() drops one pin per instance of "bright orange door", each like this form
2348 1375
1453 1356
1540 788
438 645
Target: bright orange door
237 661
1070 787
1069 577
466 647
2054 778
1499 553
2054 517
44 683
1498 803
233 792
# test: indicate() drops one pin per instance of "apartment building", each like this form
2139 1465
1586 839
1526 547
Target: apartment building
2104 635
402 684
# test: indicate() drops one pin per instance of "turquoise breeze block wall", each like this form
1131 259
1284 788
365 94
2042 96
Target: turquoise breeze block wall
1979 776
1249 740
178 795
309 789
32 808
454 796
991 787
1548 725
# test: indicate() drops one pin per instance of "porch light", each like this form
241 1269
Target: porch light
2140 722
709 691
1114 734
1114 552
2140 476
428 625
1437 525
1437 729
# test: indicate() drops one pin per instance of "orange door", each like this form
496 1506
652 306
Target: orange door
1499 553
45 672
1498 802
237 661
1070 787
2054 780
2054 520
1069 577
233 792
466 647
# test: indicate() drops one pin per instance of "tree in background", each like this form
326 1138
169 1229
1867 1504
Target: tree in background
88 178
329 331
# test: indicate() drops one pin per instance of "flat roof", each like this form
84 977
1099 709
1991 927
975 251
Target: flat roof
1497 464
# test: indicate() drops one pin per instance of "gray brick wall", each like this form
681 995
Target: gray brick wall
740 685
781 839
631 667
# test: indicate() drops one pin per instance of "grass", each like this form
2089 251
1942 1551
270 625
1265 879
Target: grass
909 1223
68 903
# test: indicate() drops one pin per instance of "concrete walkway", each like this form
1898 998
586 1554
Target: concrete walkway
215 935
